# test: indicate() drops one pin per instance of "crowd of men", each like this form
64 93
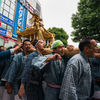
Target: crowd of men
33 76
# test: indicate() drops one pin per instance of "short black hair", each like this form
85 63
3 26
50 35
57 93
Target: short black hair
1 46
85 42
26 40
15 45
34 43
10 47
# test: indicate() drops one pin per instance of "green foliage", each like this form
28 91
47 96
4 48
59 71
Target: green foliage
60 34
86 22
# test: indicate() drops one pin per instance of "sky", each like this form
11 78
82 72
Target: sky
58 13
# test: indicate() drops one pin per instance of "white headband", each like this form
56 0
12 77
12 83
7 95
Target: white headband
38 41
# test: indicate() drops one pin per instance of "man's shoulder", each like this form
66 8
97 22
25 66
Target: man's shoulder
94 61
76 57
49 55
18 56
33 54
75 60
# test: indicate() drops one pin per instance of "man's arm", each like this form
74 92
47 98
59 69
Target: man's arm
13 72
21 92
14 68
7 65
70 48
6 54
27 74
68 87
38 61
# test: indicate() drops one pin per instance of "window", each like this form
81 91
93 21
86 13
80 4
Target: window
3 0
1 10
11 11
13 1
12 6
7 2
6 7
9 28
1 41
11 16
3 25
2 5
5 13
9 43
38 7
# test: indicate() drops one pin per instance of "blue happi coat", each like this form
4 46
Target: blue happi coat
2 66
16 70
95 71
77 79
7 65
27 72
5 55
30 73
53 74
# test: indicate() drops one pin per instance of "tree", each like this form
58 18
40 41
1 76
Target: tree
86 22
60 34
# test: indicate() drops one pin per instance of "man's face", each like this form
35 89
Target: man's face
40 45
2 48
97 50
92 48
27 46
60 50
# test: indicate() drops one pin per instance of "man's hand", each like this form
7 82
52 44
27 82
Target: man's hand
9 88
53 58
32 50
70 48
17 48
6 84
21 92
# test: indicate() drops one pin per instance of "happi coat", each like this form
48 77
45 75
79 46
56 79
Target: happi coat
53 74
2 66
16 69
5 55
77 79
95 66
30 73
7 65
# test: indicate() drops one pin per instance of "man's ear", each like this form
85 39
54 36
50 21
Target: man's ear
86 48
36 45
54 50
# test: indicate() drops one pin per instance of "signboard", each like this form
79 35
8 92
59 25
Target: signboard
23 2
6 20
32 3
20 18
9 34
0 23
30 8
3 32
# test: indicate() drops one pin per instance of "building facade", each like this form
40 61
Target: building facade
14 13
7 8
